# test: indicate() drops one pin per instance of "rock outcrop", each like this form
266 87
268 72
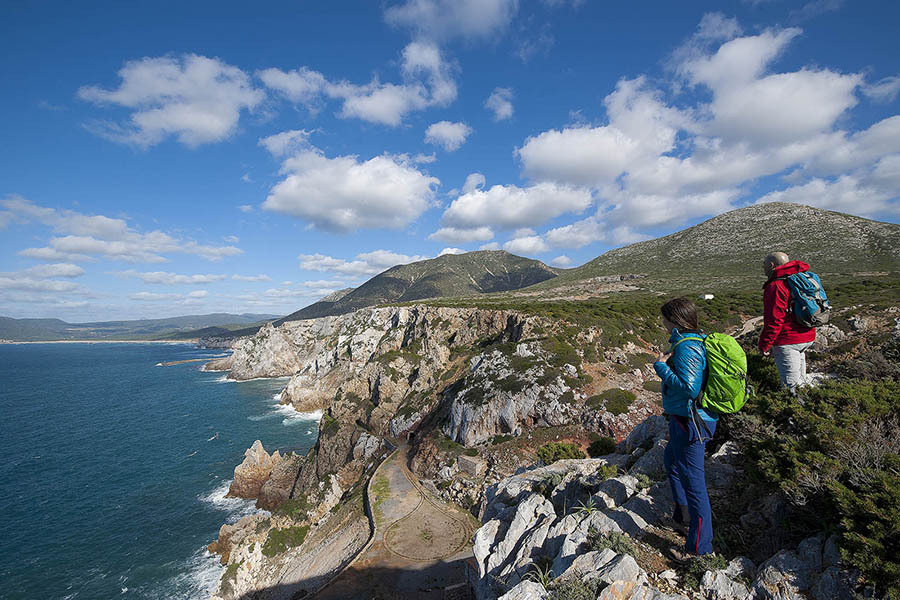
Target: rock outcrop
253 472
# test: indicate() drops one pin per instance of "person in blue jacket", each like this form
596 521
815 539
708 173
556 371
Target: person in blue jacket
682 371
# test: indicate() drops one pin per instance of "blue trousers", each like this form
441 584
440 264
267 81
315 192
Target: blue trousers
684 466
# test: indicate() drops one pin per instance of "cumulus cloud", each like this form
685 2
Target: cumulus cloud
165 278
512 207
490 246
154 297
196 99
367 263
93 236
427 81
561 261
251 278
55 270
532 244
343 194
450 136
462 235
474 181
245 208
231 239
451 251
500 103
198 294
442 20
657 162
884 90
285 142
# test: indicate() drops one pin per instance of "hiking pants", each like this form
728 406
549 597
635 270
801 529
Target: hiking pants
791 362
684 465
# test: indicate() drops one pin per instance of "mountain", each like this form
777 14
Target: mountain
733 245
169 328
448 275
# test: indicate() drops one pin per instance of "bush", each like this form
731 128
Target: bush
835 451
554 451
614 540
501 438
602 447
615 401
693 571
295 508
573 588
653 385
280 540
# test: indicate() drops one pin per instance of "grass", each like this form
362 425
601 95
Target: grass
381 489
614 540
615 401
283 539
295 508
554 451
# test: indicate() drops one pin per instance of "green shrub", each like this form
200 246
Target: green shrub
329 425
471 451
280 540
602 447
653 385
615 401
554 451
573 588
693 571
614 540
295 508
545 486
643 480
501 438
607 472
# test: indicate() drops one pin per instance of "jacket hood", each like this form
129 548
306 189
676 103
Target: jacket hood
789 268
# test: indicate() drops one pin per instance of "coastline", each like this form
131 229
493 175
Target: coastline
13 343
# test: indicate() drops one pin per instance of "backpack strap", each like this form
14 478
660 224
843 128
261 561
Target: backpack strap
684 339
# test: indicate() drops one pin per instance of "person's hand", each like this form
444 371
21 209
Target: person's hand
766 353
662 357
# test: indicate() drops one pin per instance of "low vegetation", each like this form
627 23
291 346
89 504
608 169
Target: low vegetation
602 447
614 401
283 539
554 451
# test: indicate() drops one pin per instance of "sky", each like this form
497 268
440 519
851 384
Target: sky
169 158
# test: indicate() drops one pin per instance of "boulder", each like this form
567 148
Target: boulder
651 463
277 488
526 590
252 473
717 585
782 577
833 584
651 429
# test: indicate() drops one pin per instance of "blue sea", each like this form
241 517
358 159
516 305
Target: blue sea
113 470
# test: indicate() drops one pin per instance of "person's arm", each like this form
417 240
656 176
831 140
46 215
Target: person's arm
689 358
775 306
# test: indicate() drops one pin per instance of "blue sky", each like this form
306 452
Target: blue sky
174 158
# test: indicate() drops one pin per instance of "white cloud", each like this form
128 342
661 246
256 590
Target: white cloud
92 236
251 278
512 207
246 178
427 82
424 159
847 193
154 297
451 251
884 90
231 239
533 244
448 135
462 235
561 261
286 142
490 246
343 194
474 181
198 294
442 20
245 208
55 270
21 281
367 263
165 278
578 234
194 98
500 102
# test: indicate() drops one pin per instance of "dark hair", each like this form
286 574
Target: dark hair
681 312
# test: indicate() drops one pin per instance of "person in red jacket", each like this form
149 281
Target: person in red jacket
781 334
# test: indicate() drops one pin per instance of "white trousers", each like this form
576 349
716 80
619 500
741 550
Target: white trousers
791 362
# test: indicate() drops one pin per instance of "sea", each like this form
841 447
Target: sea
114 468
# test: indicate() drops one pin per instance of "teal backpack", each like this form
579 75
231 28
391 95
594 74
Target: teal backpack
726 388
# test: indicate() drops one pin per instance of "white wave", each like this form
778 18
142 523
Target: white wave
277 397
198 579
302 417
236 508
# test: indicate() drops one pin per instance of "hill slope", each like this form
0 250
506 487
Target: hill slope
449 275
27 330
733 245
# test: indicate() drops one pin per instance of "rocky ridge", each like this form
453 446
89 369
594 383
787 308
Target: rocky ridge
602 523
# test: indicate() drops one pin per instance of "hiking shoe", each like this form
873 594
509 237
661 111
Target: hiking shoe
679 555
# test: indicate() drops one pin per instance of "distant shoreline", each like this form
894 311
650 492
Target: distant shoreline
11 342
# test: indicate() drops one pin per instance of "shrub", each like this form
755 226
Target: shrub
573 588
329 425
554 451
501 438
546 486
693 571
614 540
471 452
643 480
615 401
602 447
295 508
653 385
607 472
280 540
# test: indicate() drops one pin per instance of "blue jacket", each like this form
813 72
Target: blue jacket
683 381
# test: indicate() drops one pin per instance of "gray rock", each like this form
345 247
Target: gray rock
741 566
651 463
630 590
645 507
833 584
587 564
831 553
810 553
572 545
527 590
652 428
621 568
560 531
716 585
484 542
782 577
629 522
531 547
619 489
528 514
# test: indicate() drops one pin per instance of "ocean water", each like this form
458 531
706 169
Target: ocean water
113 470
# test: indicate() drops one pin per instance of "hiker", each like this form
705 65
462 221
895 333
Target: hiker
781 334
690 427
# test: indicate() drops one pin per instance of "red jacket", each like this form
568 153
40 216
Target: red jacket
779 326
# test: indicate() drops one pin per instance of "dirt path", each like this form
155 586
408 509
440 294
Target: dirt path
420 543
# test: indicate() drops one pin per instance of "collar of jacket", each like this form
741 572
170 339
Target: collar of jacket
677 335
789 268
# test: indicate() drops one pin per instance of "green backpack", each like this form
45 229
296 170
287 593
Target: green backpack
726 388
